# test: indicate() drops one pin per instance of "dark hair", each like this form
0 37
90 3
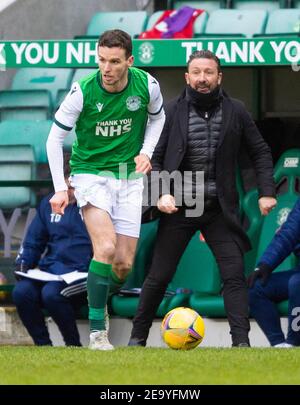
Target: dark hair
204 54
116 38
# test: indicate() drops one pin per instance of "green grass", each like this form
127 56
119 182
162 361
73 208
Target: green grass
59 365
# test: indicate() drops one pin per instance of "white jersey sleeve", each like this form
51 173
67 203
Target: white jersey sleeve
64 120
54 147
156 101
70 109
156 118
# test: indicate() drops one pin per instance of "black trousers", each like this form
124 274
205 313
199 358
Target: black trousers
174 233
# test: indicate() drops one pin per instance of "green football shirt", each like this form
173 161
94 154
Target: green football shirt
110 127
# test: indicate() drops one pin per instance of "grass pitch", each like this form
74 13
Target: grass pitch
135 365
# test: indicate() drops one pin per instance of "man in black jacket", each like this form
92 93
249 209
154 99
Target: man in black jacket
203 132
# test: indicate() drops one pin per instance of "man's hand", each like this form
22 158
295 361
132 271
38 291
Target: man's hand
266 204
59 202
143 164
166 204
262 272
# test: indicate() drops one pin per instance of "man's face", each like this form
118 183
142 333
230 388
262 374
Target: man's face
113 65
203 75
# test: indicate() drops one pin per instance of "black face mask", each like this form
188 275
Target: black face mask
204 101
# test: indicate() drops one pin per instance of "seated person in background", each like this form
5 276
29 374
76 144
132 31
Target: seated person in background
267 289
67 248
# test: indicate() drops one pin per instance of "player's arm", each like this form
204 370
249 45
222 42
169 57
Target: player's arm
156 120
65 119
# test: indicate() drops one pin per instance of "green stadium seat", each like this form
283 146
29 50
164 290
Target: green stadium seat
17 162
287 177
43 79
126 305
197 271
288 169
205 281
272 223
262 229
33 133
133 22
284 21
25 105
244 23
62 93
80 73
252 214
207 5
268 5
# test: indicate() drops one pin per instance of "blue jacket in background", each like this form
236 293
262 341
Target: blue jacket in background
286 240
64 239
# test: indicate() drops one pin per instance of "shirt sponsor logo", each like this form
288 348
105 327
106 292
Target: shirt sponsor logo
99 106
113 127
133 103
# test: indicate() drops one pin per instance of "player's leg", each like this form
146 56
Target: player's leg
123 261
126 217
103 237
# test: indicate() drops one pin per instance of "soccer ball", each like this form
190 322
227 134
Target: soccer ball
182 328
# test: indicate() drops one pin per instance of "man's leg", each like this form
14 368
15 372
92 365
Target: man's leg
103 237
262 301
230 261
27 297
126 217
61 310
123 261
174 234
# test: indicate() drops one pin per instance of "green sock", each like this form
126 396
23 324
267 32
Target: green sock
97 287
115 283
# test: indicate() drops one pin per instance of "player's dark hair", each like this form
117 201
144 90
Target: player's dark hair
118 39
204 54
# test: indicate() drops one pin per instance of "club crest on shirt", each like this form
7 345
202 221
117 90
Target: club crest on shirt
133 103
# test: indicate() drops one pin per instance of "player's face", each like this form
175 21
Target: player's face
113 65
203 75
